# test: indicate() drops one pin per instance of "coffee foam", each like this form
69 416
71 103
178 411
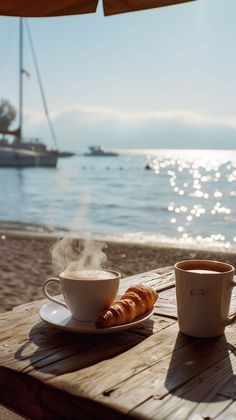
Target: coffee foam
70 255
89 275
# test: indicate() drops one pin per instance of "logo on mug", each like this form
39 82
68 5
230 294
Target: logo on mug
198 292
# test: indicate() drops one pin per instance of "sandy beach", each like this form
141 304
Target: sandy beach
26 262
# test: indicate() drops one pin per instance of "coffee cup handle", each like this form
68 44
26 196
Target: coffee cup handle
232 318
53 299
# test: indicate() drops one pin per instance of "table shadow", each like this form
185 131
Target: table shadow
55 352
200 368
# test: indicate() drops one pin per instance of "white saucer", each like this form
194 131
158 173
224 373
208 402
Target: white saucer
60 317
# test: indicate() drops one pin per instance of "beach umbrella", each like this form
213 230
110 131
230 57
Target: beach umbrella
44 8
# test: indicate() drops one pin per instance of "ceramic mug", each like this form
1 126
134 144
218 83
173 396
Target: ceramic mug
203 292
86 292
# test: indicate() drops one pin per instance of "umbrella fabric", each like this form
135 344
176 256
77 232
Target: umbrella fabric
112 7
43 8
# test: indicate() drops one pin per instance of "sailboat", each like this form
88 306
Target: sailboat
31 153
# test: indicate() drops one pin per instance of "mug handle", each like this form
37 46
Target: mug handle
232 318
53 299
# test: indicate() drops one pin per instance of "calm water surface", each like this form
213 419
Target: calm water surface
187 198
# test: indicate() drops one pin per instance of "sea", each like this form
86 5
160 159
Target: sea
184 198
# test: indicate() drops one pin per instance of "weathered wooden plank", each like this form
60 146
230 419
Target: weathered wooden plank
39 342
166 304
49 367
50 346
206 394
229 413
38 401
155 324
169 373
198 396
65 405
93 380
70 352
229 389
22 395
107 347
161 279
213 408
180 408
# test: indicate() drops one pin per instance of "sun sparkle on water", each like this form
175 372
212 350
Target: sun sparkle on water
206 178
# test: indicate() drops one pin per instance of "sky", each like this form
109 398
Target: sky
161 78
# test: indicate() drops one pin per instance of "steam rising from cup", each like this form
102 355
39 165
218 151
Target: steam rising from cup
72 254
69 254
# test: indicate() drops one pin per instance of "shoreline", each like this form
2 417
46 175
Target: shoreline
31 230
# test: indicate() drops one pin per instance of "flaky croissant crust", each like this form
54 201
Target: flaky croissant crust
136 301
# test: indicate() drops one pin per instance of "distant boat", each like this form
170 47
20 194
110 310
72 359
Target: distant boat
99 151
65 154
31 153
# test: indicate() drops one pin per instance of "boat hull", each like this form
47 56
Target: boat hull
66 154
13 158
100 154
99 151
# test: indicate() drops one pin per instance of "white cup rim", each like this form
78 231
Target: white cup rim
229 268
64 275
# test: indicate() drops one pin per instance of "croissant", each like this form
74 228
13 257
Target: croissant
135 302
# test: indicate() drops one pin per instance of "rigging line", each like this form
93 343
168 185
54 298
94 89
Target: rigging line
41 85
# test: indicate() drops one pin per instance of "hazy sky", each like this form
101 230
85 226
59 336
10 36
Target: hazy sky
157 78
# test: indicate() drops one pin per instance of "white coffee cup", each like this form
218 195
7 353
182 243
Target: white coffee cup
86 292
203 292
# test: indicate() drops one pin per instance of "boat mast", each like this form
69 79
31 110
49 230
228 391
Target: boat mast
19 137
28 32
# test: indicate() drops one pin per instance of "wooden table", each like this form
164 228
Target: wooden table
151 371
